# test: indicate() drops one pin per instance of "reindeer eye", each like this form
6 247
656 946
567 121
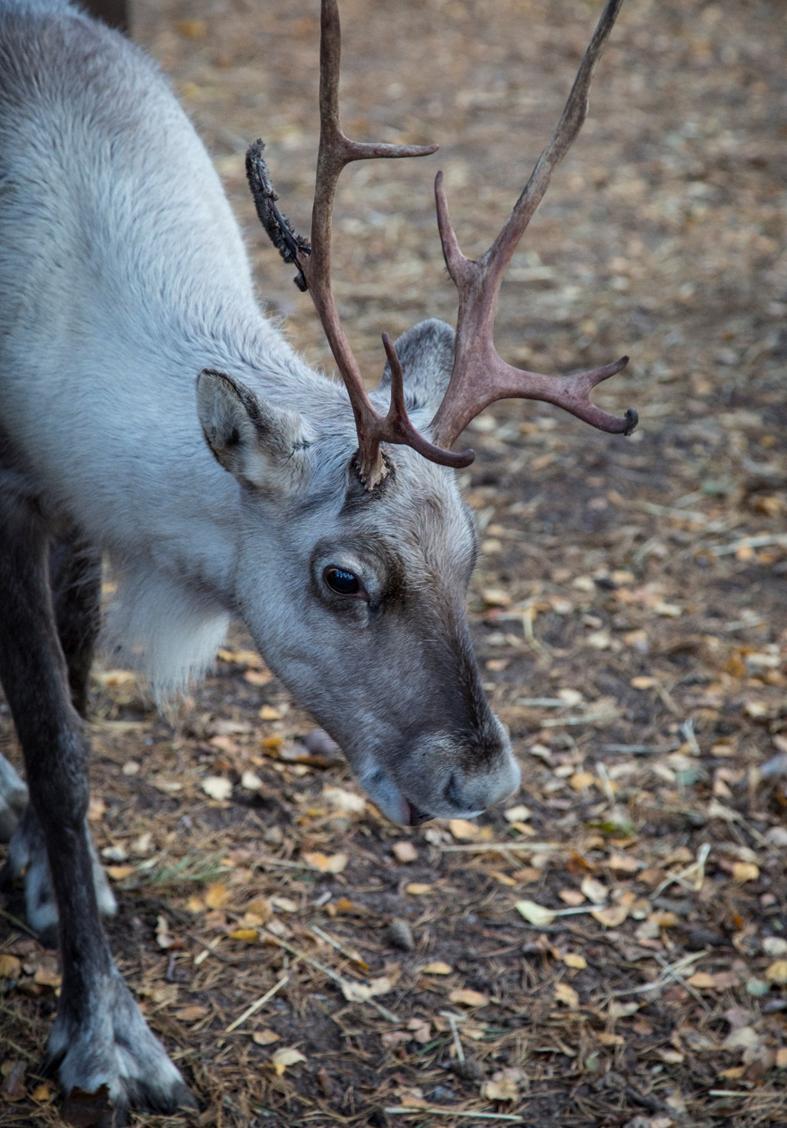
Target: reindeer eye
341 581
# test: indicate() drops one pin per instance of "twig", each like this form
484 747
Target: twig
451 1019
403 1110
696 871
501 847
263 999
326 971
667 975
761 541
339 947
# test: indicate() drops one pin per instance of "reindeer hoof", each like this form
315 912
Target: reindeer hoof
110 1062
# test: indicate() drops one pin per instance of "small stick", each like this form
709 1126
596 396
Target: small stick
263 999
326 971
402 1110
501 847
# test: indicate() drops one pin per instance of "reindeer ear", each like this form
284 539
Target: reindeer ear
261 445
426 353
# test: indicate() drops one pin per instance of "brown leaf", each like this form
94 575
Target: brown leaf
10 966
468 998
326 863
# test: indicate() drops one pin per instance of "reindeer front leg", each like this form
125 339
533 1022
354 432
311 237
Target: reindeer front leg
99 1036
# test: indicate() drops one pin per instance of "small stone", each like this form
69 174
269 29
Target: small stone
400 935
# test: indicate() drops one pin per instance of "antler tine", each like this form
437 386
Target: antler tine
480 376
314 262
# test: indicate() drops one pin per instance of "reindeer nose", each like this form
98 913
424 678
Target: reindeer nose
473 789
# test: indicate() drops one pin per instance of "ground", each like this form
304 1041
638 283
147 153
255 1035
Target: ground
627 612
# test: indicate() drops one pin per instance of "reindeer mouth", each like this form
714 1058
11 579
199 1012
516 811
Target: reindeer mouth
390 799
417 816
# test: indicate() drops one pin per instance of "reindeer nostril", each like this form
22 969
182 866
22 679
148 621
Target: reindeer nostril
452 791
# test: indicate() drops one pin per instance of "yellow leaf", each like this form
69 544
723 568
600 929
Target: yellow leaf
745 871
284 1058
248 935
119 873
269 713
468 998
10 966
777 972
535 914
573 959
240 657
326 863
216 895
43 1093
272 742
264 1037
437 967
417 888
781 1057
565 993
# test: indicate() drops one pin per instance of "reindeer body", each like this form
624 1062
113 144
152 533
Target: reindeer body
150 412
122 274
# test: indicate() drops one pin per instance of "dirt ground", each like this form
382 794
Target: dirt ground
308 963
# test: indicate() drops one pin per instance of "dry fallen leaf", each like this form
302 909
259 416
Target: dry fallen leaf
247 935
745 871
777 972
612 916
465 831
265 1037
506 1089
437 967
535 914
216 895
326 863
356 992
468 998
10 966
217 787
284 1058
573 959
565 993
404 852
593 889
418 888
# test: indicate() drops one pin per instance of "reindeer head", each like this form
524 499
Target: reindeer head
357 521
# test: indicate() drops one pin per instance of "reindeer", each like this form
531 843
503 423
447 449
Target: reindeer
151 414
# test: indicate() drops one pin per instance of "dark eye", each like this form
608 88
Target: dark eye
341 581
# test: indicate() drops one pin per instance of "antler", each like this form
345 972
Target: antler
480 376
314 262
